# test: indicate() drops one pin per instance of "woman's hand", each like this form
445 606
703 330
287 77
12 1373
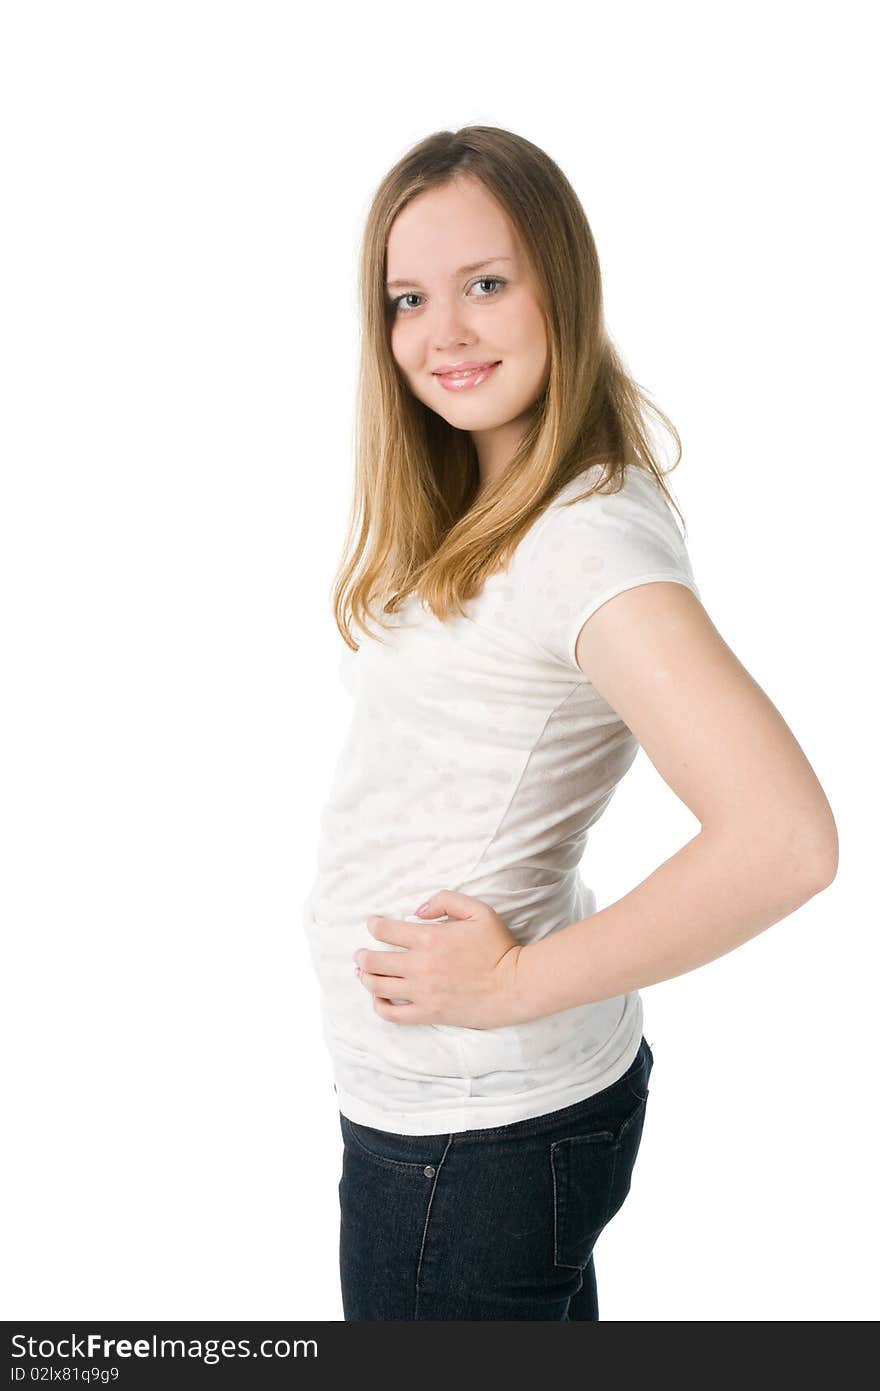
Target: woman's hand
462 971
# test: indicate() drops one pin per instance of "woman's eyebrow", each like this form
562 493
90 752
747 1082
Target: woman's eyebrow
462 270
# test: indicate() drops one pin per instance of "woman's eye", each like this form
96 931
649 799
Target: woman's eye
489 280
396 303
398 306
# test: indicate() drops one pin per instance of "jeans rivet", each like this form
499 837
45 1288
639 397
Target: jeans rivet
429 1171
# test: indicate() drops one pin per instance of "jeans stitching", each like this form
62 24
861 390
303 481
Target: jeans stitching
427 1220
559 1213
556 1249
615 1152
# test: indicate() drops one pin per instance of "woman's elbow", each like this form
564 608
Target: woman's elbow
824 852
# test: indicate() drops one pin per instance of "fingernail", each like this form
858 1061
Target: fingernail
422 906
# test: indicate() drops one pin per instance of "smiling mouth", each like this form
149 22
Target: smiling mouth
473 376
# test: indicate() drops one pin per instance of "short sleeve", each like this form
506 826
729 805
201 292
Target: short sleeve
586 553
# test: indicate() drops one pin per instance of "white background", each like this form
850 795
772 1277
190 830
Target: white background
184 189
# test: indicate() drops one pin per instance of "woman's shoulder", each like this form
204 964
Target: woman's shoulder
600 509
593 485
591 546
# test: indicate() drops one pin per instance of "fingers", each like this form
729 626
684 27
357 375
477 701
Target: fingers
386 986
375 962
449 903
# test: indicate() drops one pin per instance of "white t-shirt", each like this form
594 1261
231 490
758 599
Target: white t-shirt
477 758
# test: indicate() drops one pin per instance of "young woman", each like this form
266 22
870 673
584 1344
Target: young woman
527 618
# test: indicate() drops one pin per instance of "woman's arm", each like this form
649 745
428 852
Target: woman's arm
768 840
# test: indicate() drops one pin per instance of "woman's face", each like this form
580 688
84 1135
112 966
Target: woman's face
445 314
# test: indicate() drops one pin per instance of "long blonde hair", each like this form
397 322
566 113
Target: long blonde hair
414 524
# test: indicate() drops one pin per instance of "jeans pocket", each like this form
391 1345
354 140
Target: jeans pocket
592 1174
405 1153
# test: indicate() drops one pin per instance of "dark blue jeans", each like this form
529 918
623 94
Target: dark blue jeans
487 1224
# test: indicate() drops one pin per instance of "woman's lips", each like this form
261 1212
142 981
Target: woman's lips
463 381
